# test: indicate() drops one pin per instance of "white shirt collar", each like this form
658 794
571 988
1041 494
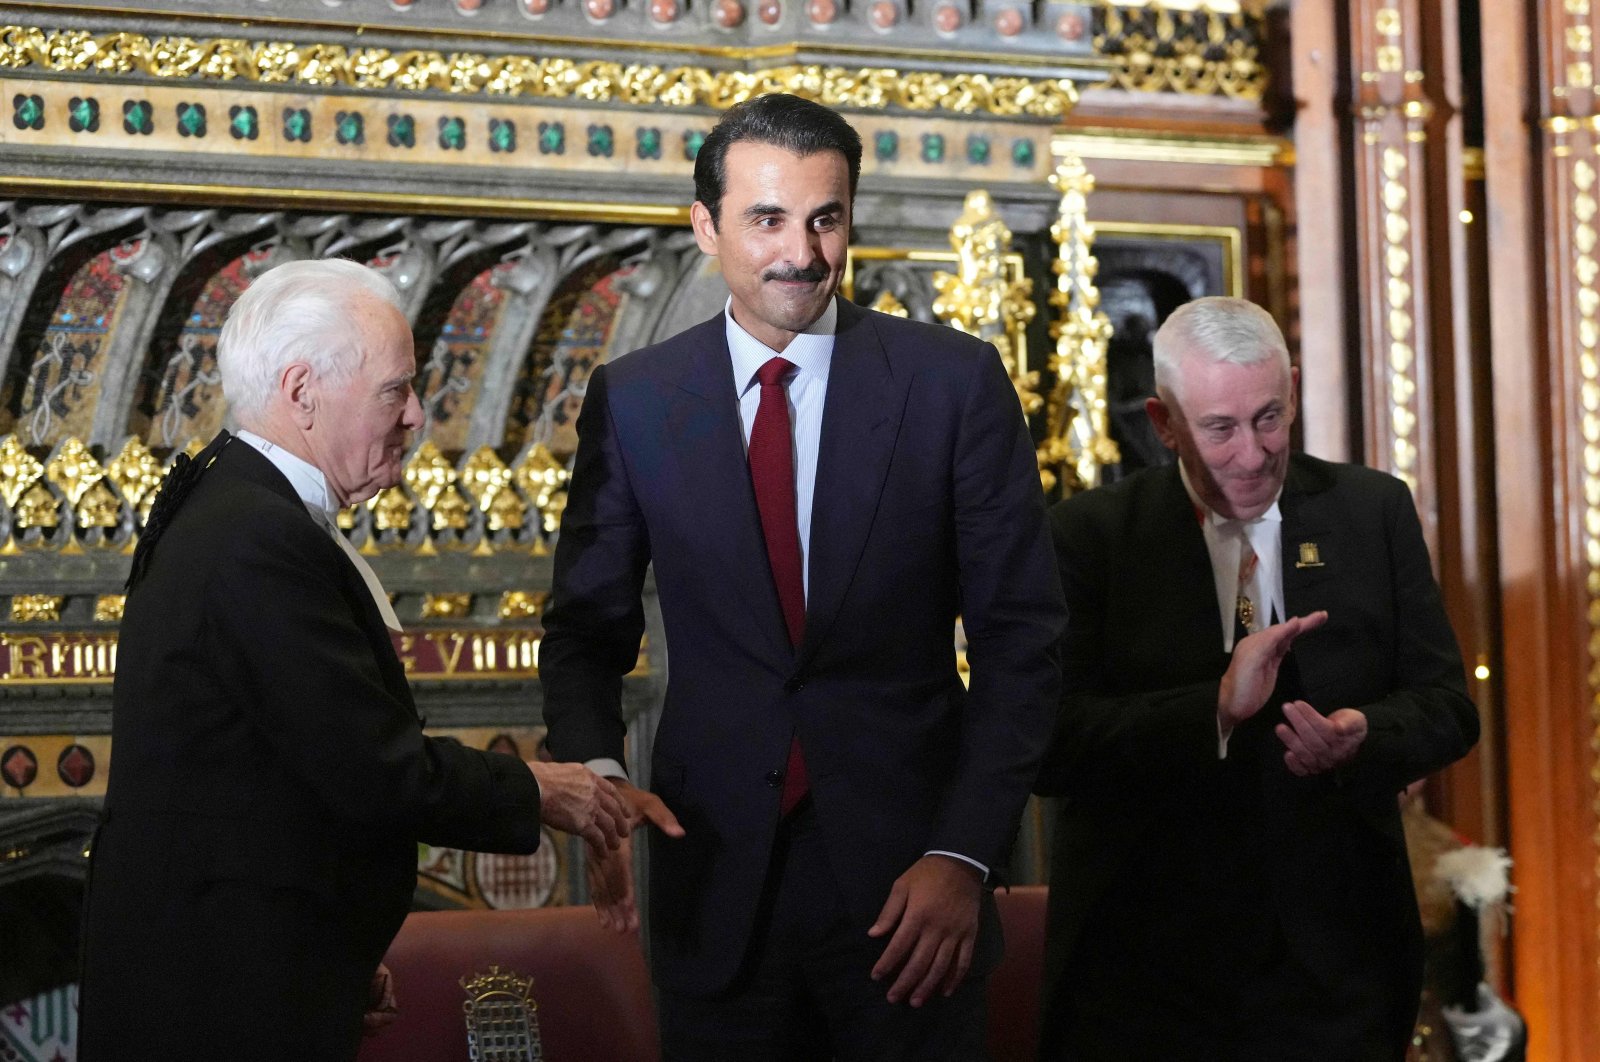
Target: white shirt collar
811 350
306 479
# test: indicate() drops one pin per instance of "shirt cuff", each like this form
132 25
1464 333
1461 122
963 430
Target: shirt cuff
606 767
965 859
1222 739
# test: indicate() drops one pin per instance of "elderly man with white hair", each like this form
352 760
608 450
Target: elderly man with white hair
1257 662
257 848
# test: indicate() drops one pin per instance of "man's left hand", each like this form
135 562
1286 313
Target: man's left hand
933 910
1315 743
381 1009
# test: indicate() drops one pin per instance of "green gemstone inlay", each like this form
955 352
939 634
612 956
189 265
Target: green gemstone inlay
551 138
83 112
887 145
192 119
978 150
136 117
600 140
297 124
1022 153
244 123
453 134
30 110
348 127
649 143
932 147
692 143
502 136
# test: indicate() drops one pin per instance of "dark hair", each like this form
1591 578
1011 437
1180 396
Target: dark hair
779 119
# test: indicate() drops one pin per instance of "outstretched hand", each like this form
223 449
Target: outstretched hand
610 870
1253 671
574 799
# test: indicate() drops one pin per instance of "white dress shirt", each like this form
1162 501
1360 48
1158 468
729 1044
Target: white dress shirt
1223 537
312 487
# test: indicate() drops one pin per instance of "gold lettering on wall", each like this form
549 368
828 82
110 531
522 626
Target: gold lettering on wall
68 657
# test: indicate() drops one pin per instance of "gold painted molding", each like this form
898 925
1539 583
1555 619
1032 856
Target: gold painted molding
1117 144
340 199
313 65
1231 239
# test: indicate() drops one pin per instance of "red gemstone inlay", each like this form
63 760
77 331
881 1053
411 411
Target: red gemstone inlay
19 767
1008 23
75 766
1070 26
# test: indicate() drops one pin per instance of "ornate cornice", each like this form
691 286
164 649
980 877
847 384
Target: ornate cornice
320 65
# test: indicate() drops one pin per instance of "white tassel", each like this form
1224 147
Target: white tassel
1478 876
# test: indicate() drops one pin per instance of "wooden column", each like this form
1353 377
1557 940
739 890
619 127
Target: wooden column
1323 300
1394 272
1543 183
1421 399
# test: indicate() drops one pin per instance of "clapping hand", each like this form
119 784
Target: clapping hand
1253 671
1315 744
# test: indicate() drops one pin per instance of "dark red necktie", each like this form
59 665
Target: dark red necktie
772 475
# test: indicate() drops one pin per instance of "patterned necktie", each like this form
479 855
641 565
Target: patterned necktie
772 476
1246 604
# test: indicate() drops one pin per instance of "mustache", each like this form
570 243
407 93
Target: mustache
805 274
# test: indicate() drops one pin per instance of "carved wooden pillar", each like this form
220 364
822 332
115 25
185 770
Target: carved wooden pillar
1421 397
1391 180
1543 186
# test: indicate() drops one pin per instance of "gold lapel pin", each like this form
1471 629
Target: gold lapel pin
1309 557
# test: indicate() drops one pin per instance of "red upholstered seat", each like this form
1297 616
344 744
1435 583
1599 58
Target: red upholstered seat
593 990
590 984
1014 986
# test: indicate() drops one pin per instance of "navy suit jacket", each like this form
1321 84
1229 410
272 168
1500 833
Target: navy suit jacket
1137 736
927 506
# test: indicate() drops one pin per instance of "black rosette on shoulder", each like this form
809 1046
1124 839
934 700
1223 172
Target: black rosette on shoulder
180 480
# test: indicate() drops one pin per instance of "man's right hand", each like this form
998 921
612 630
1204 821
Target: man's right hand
574 799
1254 669
611 869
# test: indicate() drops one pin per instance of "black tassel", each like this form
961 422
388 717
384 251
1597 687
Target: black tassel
180 480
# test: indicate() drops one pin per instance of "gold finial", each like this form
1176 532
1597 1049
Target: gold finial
1077 439
988 295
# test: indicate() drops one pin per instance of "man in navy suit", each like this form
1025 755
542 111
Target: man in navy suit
821 490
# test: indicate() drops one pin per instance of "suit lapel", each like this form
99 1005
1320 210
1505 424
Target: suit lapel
1175 533
705 424
1309 541
860 421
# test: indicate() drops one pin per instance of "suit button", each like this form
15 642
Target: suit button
794 685
774 778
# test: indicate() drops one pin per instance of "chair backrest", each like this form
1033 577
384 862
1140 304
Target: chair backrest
1014 985
590 985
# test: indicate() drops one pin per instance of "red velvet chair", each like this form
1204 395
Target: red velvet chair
593 990
590 984
1014 985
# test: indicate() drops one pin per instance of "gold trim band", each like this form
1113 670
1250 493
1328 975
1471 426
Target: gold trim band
466 73
491 205
1114 144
